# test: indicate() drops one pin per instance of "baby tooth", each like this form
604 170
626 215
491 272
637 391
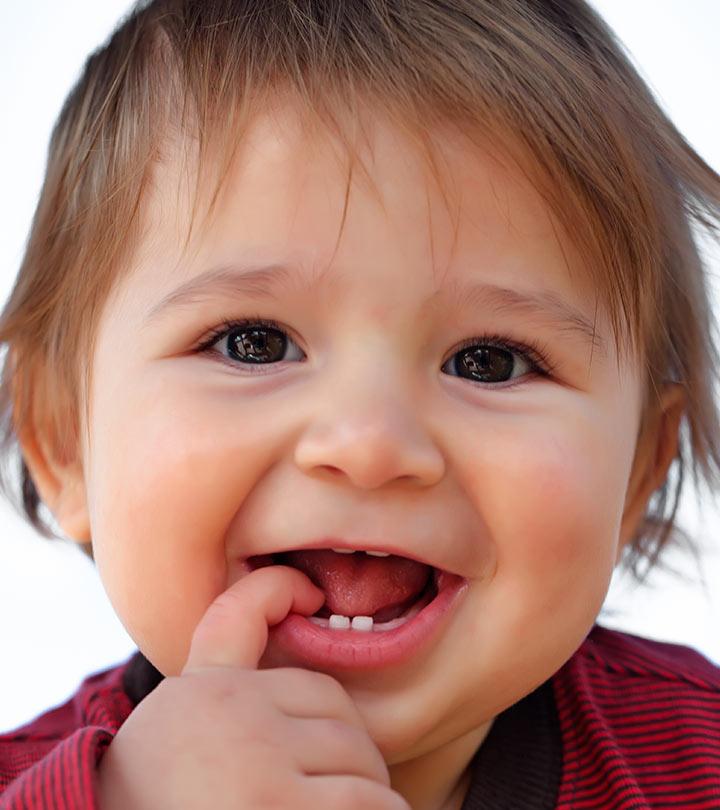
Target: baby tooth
338 622
378 553
363 623
343 550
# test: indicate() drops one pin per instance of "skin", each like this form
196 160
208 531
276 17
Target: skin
531 488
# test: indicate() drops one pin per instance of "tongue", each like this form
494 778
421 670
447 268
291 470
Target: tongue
359 584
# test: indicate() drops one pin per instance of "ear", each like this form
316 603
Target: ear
656 448
58 478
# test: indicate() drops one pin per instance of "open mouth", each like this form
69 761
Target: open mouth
363 592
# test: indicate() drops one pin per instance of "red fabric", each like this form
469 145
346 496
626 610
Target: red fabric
640 725
50 762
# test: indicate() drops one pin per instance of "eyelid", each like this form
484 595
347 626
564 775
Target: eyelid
228 324
534 351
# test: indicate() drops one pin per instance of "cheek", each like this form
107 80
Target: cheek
167 476
552 500
569 501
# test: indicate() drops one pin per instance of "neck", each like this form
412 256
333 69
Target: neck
439 779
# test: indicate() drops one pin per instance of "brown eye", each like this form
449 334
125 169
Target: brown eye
249 343
485 363
260 344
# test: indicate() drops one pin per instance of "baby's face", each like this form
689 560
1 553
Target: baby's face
369 421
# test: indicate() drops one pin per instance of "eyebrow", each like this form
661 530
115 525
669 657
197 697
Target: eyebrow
268 282
542 306
260 282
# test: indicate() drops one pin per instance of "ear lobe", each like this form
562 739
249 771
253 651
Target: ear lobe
60 484
655 451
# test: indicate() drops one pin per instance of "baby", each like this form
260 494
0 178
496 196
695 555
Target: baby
353 340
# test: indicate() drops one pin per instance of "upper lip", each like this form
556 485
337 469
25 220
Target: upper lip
361 545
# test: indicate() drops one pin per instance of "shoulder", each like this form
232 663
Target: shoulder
629 679
614 656
54 755
639 719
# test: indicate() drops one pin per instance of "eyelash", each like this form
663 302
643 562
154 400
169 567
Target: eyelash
532 351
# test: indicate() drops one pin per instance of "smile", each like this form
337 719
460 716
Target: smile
381 609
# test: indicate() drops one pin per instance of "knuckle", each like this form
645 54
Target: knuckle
336 692
316 680
347 793
338 730
272 794
222 693
354 793
345 736
323 684
368 795
214 691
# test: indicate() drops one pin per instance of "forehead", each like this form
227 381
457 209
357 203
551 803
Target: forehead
461 210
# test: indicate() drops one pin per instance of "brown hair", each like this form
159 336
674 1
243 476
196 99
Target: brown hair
549 73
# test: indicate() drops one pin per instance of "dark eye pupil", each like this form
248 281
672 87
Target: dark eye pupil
487 363
258 345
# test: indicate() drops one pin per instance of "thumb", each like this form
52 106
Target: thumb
233 632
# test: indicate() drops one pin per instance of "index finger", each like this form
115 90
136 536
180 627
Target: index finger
234 630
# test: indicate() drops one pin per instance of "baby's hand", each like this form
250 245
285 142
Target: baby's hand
226 735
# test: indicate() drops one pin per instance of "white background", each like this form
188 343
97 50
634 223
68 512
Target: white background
56 624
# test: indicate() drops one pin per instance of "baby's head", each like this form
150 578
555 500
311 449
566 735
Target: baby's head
415 275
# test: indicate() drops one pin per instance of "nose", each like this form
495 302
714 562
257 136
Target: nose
369 432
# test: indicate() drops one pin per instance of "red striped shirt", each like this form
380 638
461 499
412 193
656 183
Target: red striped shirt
626 724
640 726
50 762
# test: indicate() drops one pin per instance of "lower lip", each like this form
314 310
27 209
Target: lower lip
323 648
